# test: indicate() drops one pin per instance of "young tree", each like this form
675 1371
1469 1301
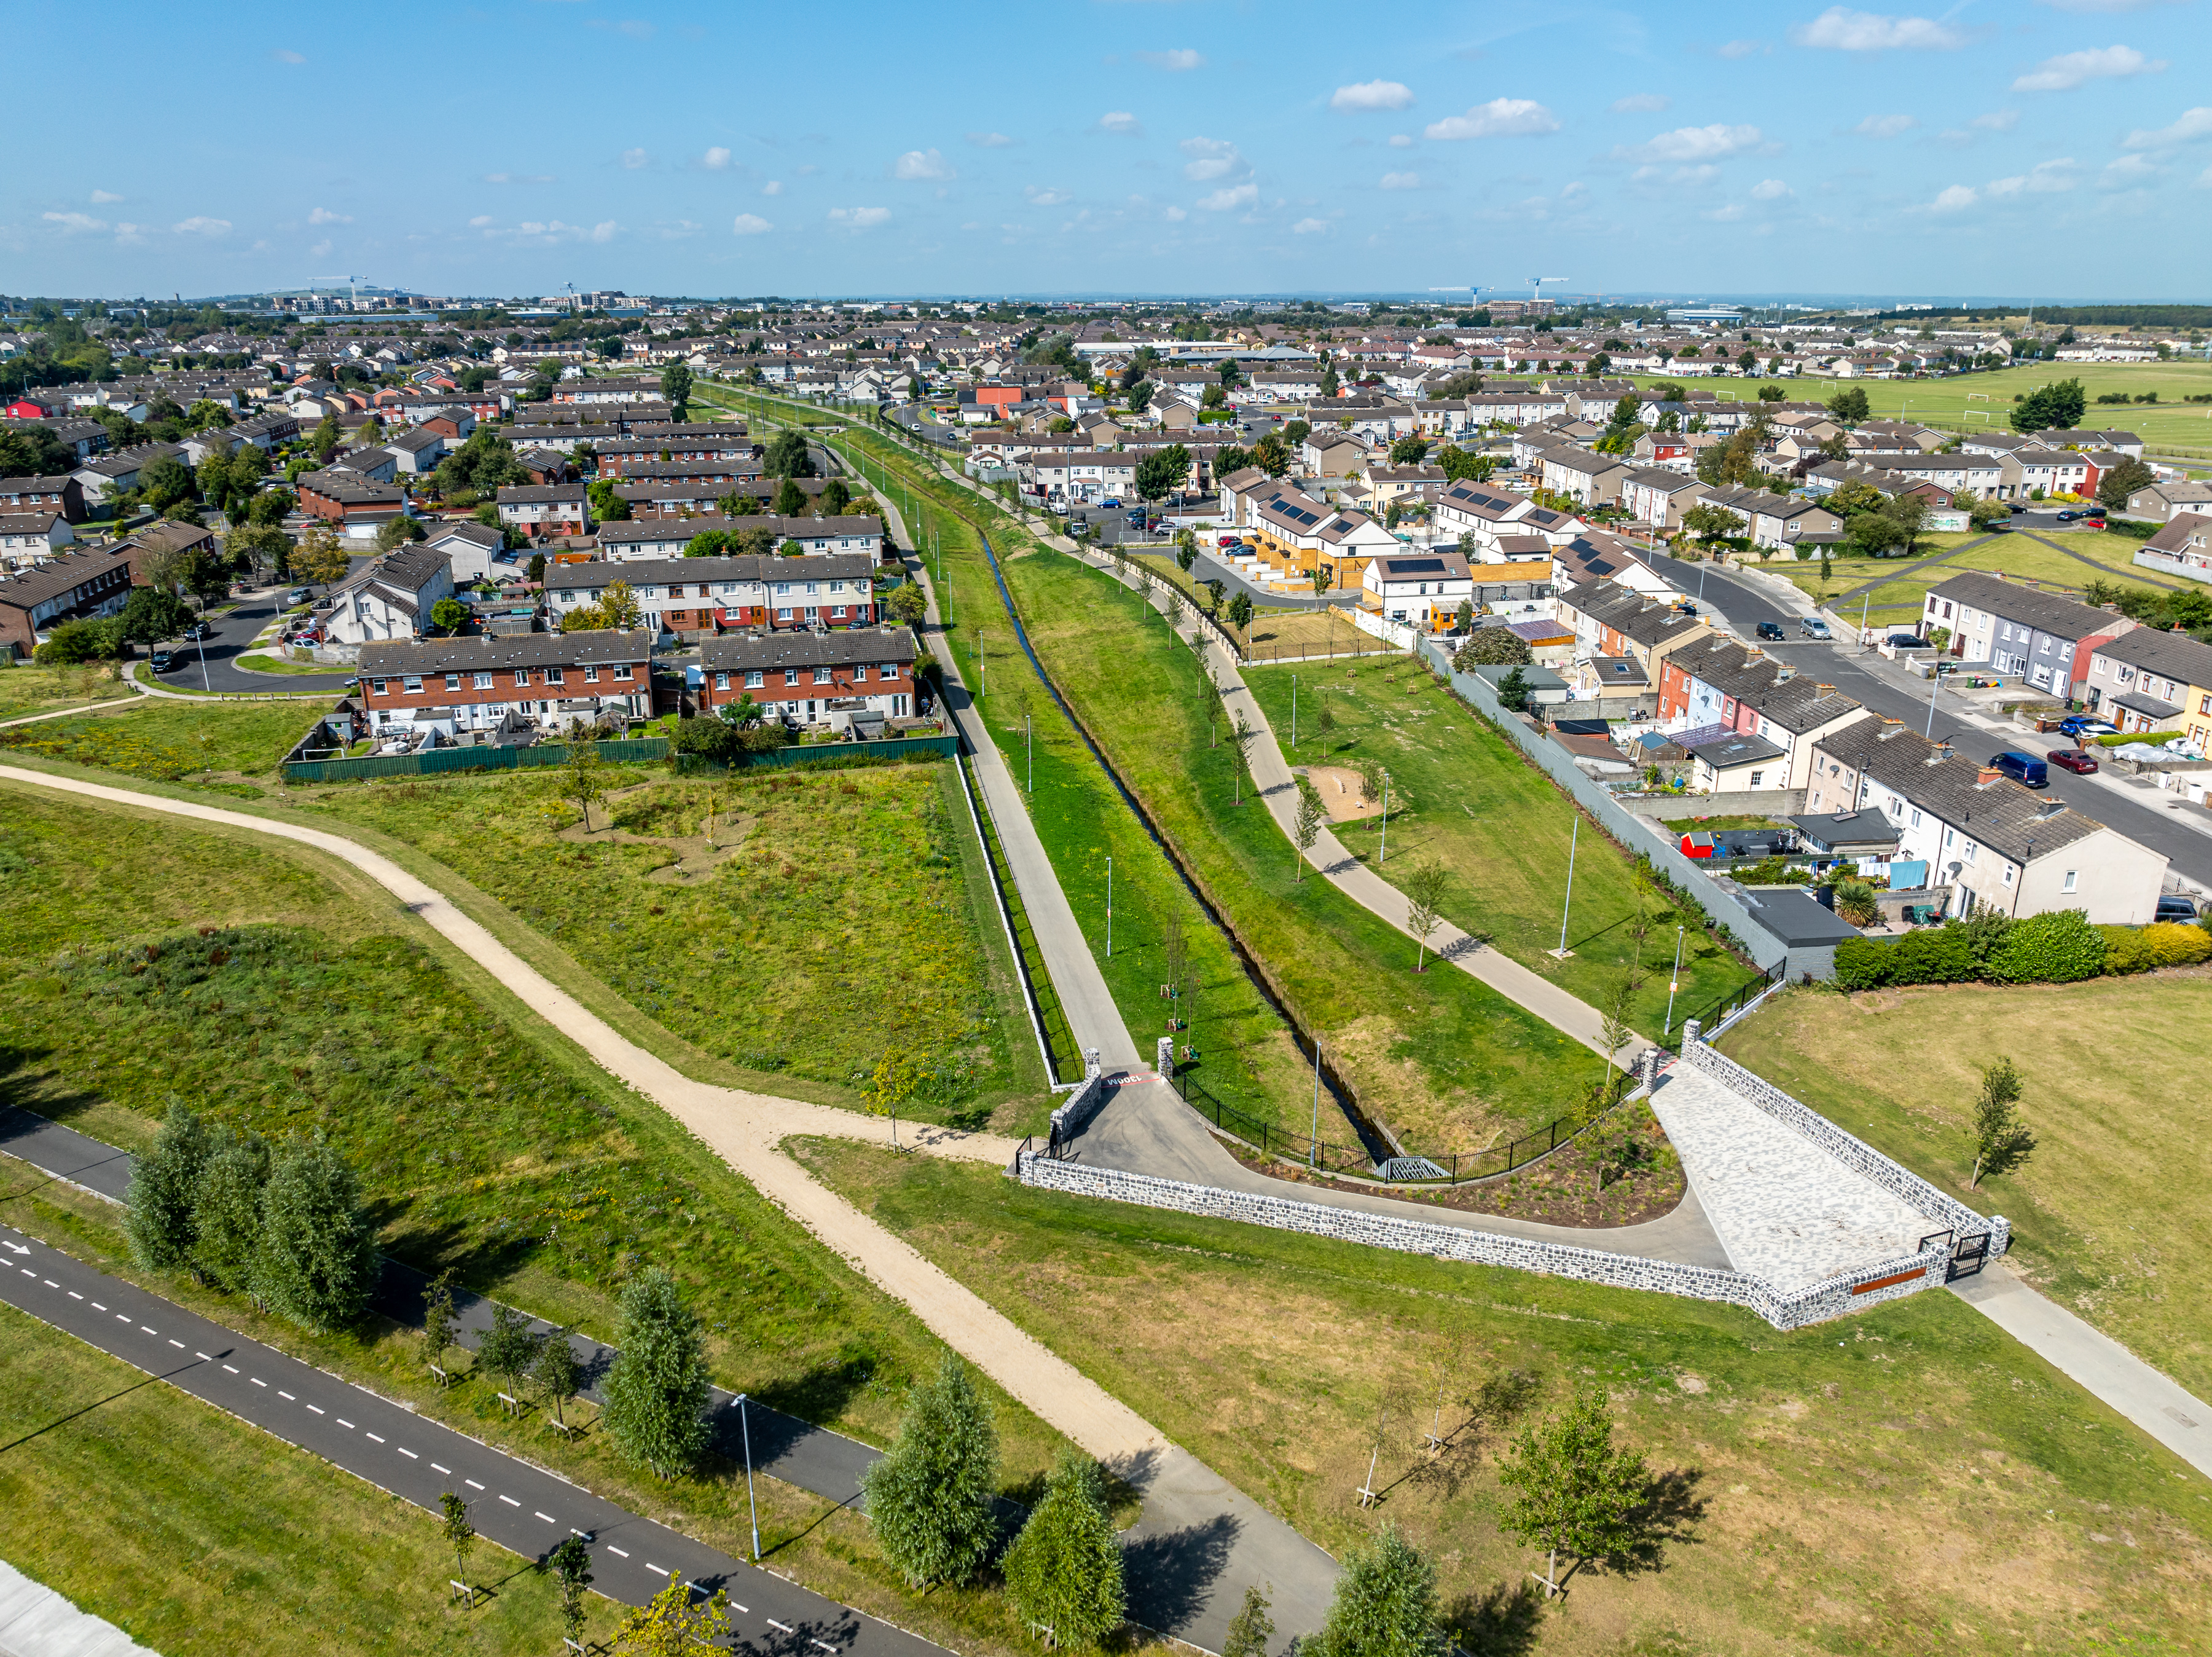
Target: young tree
508 1347
1214 589
674 1623
1425 889
1240 611
1175 951
583 778
557 1371
1573 1492
1513 691
439 1323
571 1564
158 1223
1306 827
227 1209
2002 1140
896 1081
656 1390
460 1535
1063 1571
1385 1604
1186 550
930 1495
1251 1629
1321 577
317 1263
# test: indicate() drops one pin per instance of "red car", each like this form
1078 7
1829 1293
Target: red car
1227 540
2074 759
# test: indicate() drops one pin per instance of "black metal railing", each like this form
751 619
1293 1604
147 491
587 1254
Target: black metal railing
1714 1012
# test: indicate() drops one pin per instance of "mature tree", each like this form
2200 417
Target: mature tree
1425 889
1295 432
1710 521
486 462
2002 1140
449 615
930 1495
2117 483
460 1535
1330 383
1230 459
325 439
835 498
1163 472
674 1623
908 603
1910 512
317 1264
790 499
257 546
656 1392
1873 534
1462 466
1514 691
1272 454
507 1347
1770 393
1063 1571
321 557
787 455
584 778
1240 611
1251 1629
158 1223
227 1209
169 482
676 389
1850 405
609 504
556 1370
1306 825
571 1564
1385 1604
440 1326
32 450
2056 406
1409 451
153 613
1493 646
1574 1493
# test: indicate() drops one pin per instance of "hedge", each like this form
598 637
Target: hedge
2164 943
2058 948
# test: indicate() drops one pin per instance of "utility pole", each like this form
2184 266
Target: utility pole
1382 848
1110 909
1574 839
1294 711
1934 680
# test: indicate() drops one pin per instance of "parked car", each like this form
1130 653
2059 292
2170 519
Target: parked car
2081 725
1229 540
1907 641
1115 504
2022 767
1770 629
199 629
2175 907
1813 627
162 661
297 595
2074 759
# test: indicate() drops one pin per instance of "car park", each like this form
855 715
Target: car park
2074 759
1813 627
1228 540
2022 767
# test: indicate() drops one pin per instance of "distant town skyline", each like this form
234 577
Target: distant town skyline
2057 150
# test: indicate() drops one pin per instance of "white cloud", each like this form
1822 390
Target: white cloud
1372 95
773 187
634 159
1041 196
604 230
324 215
2072 69
1401 180
200 225
1401 141
284 57
1885 126
2126 172
2204 180
1309 227
750 225
1955 199
1998 120
1768 190
922 164
2193 124
715 159
1175 62
1642 103
2097 5
1121 121
1175 216
1841 29
102 198
1696 143
1727 215
989 140
75 221
320 250
1223 201
2044 179
1212 158
1733 50
1501 117
859 218
480 222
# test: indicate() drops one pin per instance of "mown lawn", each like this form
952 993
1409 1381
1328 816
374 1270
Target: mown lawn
2071 559
2108 1215
832 922
1908 1480
1463 795
211 744
28 689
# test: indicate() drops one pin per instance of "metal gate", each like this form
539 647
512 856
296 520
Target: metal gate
1969 1254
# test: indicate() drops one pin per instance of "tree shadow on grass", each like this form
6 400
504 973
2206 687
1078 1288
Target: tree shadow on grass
1502 1621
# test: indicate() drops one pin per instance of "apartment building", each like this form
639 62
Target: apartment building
451 686
809 678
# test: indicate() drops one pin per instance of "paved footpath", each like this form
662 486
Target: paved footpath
521 1508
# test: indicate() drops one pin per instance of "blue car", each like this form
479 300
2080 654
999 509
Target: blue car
2081 725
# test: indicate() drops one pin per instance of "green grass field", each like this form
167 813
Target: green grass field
1907 1480
205 744
27 689
2071 560
832 921
2108 1215
1463 795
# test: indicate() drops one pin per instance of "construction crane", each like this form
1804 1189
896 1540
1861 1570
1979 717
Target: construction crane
1536 285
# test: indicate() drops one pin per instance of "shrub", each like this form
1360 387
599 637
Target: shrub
1863 964
2126 950
2176 944
2058 947
1935 954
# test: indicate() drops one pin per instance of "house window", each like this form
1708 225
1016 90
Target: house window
453 681
784 614
1972 847
721 681
889 670
790 677
377 686
557 676
824 676
521 677
411 684
2073 875
484 681
754 679
1758 778
622 672
591 675
2008 873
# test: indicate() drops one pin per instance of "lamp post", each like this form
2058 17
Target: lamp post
1574 839
1294 711
1382 847
1674 982
1028 746
745 1427
1935 680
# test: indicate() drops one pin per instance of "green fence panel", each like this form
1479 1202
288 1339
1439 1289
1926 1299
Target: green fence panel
635 750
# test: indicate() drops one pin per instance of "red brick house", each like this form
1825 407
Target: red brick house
705 595
64 588
356 504
456 685
807 678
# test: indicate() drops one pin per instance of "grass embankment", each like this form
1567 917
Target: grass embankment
1463 795
220 747
261 662
33 689
834 917
484 1144
2069 559
2108 1215
1907 1480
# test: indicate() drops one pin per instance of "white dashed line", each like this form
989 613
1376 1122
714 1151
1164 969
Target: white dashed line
785 1627
179 1345
48 1281
73 1295
149 1330
825 1645
95 1305
436 1468
318 1409
650 1566
373 1439
286 1396
510 1502
343 1422
120 1317
472 1484
27 1272
616 1551
229 1369
748 1610
548 1518
255 1379
410 1454
202 1357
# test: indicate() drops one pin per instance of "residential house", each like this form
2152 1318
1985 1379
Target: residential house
1490 515
1424 590
694 596
809 678
419 451
1722 682
2152 680
390 598
546 509
1659 495
1300 534
1081 476
106 476
1992 843
2163 502
1598 557
450 686
1610 619
68 588
2038 637
359 506
30 538
2184 547
475 552
1725 760
61 494
1590 478
1777 522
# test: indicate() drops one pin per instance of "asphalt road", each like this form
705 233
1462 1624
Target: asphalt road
235 632
1880 686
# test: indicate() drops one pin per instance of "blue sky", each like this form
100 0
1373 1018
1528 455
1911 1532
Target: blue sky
2057 149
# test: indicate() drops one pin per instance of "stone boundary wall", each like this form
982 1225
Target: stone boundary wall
1852 1152
1822 1301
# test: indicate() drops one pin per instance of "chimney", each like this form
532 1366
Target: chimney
1987 774
2047 807
1823 690
1783 673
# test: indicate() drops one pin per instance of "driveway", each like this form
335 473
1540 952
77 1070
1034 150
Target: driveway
234 633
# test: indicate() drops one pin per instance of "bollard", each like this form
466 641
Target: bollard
1689 1033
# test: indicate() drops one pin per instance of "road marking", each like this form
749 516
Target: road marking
373 1439
73 1295
436 1468
255 1379
786 1627
472 1484
343 1422
27 1272
48 1281
617 1552
548 1518
179 1345
202 1357
286 1396
233 1371
748 1610
318 1409
95 1305
650 1566
825 1645
148 1328
120 1317
410 1454
510 1502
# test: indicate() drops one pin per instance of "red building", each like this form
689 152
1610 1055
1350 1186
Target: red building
808 679
455 684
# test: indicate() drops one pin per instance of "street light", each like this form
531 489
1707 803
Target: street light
1674 982
1574 839
1313 1143
745 1427
1110 909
